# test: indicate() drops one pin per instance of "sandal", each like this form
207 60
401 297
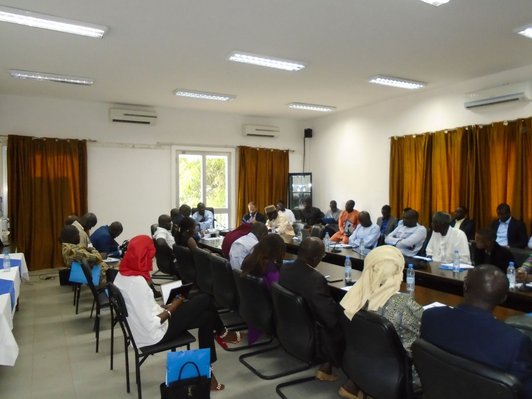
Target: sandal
215 385
226 340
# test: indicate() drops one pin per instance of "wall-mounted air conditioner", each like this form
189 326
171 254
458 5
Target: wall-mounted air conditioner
138 116
260 131
498 95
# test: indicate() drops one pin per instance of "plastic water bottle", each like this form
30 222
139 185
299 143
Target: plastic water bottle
510 274
410 278
456 261
362 247
347 269
327 241
7 261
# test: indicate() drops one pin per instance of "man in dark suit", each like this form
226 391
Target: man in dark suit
253 215
470 330
462 221
310 215
510 232
488 251
301 278
387 222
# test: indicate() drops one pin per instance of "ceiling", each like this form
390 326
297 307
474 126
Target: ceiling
154 47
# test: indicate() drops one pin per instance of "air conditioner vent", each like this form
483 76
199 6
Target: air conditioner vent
140 117
260 131
499 95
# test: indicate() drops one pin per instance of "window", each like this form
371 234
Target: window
205 176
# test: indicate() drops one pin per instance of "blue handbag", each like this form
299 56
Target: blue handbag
176 360
78 277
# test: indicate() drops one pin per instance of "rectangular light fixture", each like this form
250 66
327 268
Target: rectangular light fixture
311 107
397 82
265 61
203 95
43 76
435 2
525 31
36 20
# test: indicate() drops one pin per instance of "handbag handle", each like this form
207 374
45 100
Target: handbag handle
185 365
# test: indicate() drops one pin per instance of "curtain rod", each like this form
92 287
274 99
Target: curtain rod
505 123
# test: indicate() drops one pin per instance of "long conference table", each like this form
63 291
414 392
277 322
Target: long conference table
10 281
432 283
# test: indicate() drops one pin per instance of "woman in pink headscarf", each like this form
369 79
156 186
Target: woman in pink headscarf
152 323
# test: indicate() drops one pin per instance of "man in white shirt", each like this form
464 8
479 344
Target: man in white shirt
446 239
163 230
279 224
366 235
203 217
245 244
287 213
409 236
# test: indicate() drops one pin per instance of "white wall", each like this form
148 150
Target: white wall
133 184
349 153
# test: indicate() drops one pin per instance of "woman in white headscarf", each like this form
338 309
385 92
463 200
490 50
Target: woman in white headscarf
377 291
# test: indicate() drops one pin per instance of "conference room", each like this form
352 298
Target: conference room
131 142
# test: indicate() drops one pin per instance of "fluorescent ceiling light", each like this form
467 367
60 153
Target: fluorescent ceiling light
397 82
203 95
311 107
435 2
36 20
76 80
265 61
525 31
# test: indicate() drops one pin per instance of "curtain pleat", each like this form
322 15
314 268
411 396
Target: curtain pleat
477 166
262 178
47 181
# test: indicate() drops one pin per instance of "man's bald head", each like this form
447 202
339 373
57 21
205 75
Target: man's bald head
259 229
311 251
485 286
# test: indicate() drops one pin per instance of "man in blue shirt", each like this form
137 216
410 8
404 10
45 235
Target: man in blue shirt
103 239
470 330
203 217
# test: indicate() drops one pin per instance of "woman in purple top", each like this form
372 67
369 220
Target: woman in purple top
264 261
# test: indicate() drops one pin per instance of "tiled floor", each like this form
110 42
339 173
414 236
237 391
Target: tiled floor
57 358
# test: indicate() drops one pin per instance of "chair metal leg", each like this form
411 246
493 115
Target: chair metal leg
92 309
137 372
126 345
112 336
97 327
77 298
293 382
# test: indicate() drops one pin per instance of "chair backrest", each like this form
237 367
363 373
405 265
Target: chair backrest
254 302
203 270
185 264
445 375
87 271
522 322
120 312
164 257
315 230
153 227
224 288
295 325
375 359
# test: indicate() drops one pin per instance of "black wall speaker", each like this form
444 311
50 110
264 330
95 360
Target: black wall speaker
308 133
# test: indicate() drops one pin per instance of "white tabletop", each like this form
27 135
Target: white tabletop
8 344
24 274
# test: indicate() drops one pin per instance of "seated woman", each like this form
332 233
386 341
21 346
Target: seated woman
73 251
187 231
151 323
377 291
265 261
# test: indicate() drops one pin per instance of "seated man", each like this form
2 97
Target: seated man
72 250
347 222
310 215
85 223
163 231
242 247
462 222
446 239
177 215
301 278
332 214
203 217
409 236
283 210
278 224
253 215
103 239
470 330
510 232
366 235
387 223
488 251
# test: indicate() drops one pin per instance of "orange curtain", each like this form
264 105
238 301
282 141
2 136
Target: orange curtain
262 178
477 166
47 181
